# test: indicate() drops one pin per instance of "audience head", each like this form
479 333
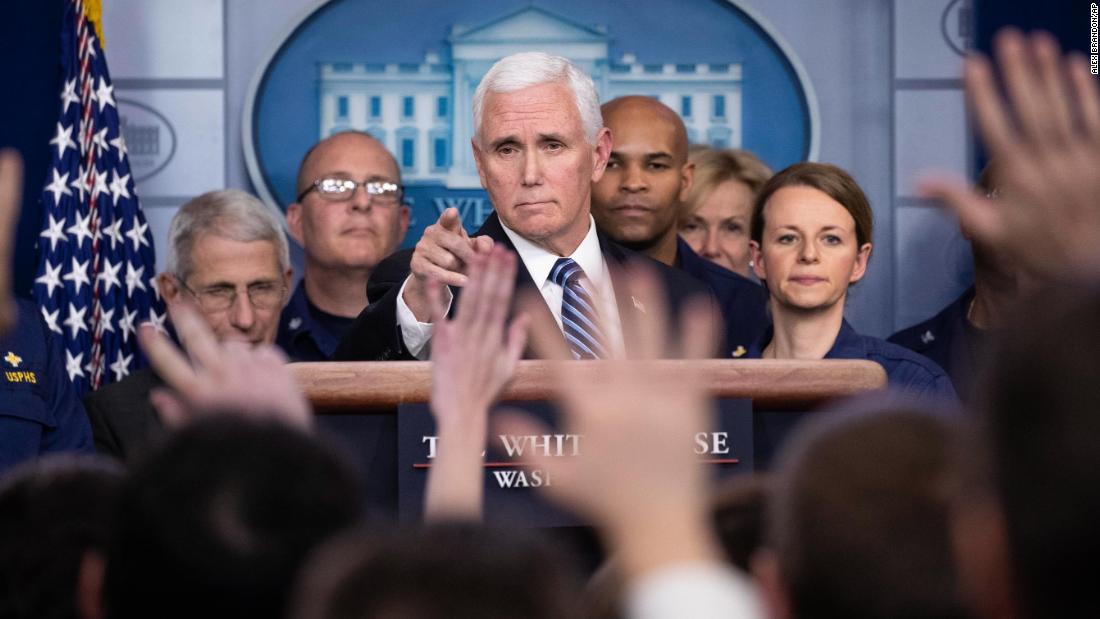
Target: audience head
55 514
227 252
1026 525
859 519
811 236
217 522
539 144
346 229
648 175
738 510
716 218
443 571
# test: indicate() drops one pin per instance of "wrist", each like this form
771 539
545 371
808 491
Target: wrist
656 540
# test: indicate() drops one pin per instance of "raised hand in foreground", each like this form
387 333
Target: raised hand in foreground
219 377
638 478
11 192
1043 137
473 356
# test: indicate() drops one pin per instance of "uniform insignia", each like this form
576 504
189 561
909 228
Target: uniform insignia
638 305
295 322
739 352
927 337
13 359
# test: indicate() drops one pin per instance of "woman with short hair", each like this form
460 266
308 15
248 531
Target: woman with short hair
811 240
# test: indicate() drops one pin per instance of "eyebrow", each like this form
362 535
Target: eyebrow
796 228
349 176
648 156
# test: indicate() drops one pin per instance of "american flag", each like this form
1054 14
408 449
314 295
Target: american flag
95 252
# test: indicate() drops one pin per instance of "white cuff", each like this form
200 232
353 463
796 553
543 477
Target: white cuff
415 334
697 590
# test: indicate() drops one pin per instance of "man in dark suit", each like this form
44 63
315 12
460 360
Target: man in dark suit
228 254
539 143
639 197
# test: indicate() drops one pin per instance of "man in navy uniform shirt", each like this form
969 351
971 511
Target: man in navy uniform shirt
637 200
39 410
348 216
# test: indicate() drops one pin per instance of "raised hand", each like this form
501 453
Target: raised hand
1043 136
473 356
219 377
11 192
638 477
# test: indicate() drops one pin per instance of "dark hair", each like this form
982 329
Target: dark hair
859 517
738 512
443 571
52 512
1040 428
830 180
217 522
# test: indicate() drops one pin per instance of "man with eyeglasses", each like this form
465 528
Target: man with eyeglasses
228 255
348 216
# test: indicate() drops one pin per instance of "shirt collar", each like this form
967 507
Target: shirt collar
848 344
540 262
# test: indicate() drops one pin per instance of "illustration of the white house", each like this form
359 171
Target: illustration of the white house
422 112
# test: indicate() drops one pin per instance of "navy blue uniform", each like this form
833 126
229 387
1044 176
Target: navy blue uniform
39 410
950 340
305 332
743 302
905 370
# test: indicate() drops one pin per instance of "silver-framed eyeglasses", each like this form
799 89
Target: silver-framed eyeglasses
262 295
382 193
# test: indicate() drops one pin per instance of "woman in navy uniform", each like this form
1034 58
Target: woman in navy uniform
811 240
39 410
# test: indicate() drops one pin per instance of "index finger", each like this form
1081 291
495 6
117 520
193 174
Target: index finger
451 220
167 360
194 334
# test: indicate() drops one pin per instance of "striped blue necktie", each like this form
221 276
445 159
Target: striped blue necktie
579 320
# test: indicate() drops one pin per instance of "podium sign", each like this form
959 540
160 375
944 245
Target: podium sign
512 483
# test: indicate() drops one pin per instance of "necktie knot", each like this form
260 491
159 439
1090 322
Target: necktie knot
566 272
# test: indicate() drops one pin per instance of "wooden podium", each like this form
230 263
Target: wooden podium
379 386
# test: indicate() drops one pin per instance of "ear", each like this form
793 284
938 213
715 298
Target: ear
687 177
602 153
860 267
758 261
169 288
479 159
765 569
980 542
403 217
89 585
294 222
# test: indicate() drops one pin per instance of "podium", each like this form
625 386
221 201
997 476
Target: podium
379 411
380 386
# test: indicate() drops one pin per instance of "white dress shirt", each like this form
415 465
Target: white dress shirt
538 262
696 590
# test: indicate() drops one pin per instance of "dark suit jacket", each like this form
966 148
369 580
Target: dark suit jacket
376 336
124 422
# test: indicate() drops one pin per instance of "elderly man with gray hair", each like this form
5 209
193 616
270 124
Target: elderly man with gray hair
539 144
228 255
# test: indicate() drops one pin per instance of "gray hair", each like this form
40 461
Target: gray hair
527 69
229 213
